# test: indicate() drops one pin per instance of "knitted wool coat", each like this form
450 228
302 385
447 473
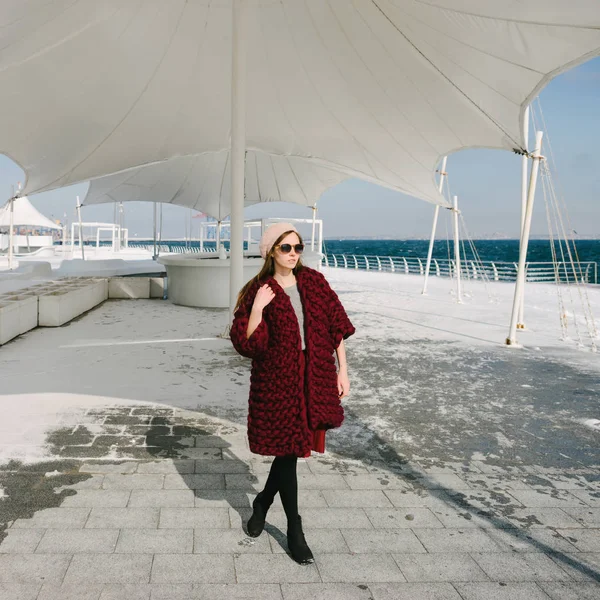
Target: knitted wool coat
291 397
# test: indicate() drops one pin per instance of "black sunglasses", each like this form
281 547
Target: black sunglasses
287 248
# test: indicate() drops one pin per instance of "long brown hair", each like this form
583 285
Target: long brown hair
268 268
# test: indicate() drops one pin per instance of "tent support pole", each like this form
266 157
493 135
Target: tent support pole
436 213
218 236
456 248
524 169
511 340
11 232
160 210
238 151
121 225
321 238
314 222
80 228
154 255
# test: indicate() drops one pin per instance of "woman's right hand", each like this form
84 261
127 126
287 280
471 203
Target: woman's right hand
263 297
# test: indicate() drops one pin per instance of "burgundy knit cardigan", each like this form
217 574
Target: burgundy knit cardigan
291 397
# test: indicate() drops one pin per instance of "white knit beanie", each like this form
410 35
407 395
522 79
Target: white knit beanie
271 234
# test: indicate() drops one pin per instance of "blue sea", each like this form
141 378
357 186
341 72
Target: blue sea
488 250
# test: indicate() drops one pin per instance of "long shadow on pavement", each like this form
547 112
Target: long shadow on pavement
204 461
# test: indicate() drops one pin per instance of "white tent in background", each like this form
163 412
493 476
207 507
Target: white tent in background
25 214
203 182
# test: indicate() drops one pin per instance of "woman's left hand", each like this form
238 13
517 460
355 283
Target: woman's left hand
343 384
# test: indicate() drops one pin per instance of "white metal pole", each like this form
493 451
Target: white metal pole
238 150
120 227
321 237
10 232
80 228
456 248
524 169
218 236
511 340
160 225
154 221
314 219
436 213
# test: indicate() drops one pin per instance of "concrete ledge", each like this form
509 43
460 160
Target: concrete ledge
9 320
157 287
129 288
27 303
62 304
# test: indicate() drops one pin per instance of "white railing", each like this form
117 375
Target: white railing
490 270
168 248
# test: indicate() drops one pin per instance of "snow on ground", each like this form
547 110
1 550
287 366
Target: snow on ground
482 319
100 262
431 379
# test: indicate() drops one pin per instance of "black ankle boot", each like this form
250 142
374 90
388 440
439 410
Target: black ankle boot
297 543
256 523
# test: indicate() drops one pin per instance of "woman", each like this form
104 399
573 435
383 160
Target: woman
289 321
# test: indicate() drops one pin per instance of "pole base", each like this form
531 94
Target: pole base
513 343
521 326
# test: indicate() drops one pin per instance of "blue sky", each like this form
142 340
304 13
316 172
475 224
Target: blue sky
487 183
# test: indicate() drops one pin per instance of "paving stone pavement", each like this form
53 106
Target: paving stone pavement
148 503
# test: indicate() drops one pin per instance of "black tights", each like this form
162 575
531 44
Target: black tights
283 479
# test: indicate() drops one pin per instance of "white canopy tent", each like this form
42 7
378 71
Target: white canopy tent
203 182
380 89
377 89
24 213
18 212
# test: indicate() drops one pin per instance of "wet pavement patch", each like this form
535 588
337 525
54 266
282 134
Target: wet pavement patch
29 488
117 434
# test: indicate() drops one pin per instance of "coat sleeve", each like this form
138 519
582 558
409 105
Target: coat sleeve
258 342
340 327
